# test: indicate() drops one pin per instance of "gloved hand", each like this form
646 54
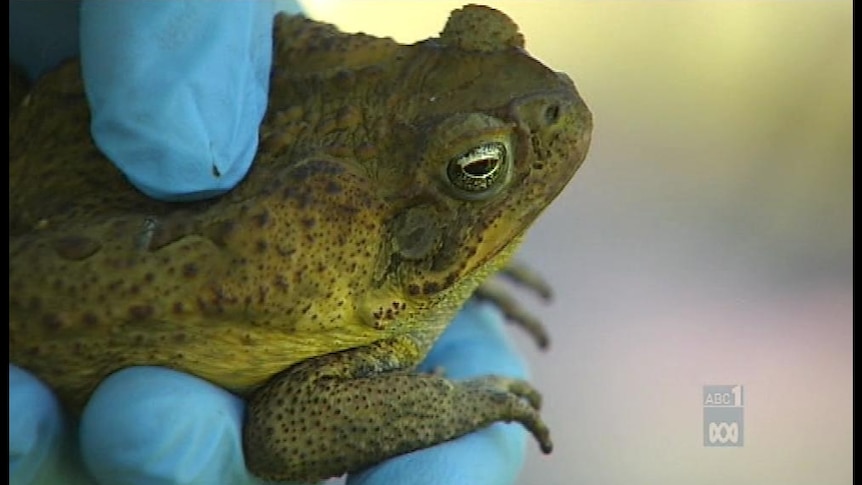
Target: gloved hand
177 91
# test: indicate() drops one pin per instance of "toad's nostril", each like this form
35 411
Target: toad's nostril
552 114
543 110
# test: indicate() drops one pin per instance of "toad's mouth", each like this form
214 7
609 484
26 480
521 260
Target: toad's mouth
498 247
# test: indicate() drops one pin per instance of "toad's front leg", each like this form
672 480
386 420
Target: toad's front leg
346 411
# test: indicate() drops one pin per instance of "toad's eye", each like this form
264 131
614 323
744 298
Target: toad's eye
479 170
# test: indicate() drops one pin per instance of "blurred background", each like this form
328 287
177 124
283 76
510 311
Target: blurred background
706 240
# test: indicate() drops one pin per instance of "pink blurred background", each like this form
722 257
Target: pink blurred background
706 240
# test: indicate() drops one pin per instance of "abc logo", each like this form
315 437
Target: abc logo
723 432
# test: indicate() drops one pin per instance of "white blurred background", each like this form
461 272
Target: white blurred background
706 240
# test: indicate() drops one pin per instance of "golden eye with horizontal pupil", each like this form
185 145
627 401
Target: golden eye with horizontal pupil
479 169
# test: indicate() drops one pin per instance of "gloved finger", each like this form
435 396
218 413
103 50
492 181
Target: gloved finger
42 443
35 428
491 456
151 425
177 90
475 344
42 34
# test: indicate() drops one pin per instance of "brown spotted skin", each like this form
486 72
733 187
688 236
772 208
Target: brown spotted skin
318 284
362 419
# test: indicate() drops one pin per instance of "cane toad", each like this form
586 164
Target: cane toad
390 182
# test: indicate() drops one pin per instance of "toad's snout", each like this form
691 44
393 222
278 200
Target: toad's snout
549 113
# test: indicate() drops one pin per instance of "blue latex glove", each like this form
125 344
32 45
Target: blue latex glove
175 91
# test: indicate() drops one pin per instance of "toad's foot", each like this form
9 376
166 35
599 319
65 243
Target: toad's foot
347 411
522 275
513 311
